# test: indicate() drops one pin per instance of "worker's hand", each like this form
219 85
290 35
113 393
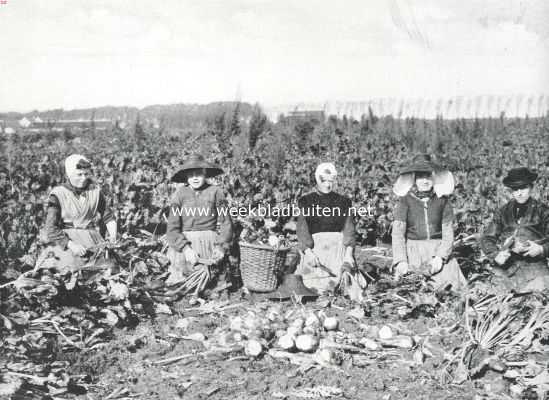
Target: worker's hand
76 249
401 268
190 255
436 265
502 257
218 253
533 250
311 258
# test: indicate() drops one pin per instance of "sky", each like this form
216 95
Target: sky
76 53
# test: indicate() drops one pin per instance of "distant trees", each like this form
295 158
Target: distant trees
258 125
234 127
216 127
304 131
138 134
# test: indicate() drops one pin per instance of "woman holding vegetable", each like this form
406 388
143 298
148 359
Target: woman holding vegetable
517 238
194 217
325 231
422 233
76 212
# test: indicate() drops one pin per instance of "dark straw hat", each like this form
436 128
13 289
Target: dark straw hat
519 177
291 285
420 163
196 161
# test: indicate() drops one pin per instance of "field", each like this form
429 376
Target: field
113 333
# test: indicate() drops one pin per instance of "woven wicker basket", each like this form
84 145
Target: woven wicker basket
260 266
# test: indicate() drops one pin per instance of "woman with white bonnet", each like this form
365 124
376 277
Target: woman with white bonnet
325 231
423 235
75 213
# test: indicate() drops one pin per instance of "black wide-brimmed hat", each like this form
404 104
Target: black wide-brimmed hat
291 285
420 163
196 161
443 180
519 177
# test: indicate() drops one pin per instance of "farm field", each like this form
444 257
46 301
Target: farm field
115 332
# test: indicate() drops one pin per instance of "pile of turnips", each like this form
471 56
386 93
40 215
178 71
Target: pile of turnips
294 330
304 331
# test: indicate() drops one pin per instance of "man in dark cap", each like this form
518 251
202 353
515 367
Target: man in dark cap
517 239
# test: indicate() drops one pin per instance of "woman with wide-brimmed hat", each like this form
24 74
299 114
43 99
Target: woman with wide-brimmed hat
326 239
76 212
517 238
422 233
195 211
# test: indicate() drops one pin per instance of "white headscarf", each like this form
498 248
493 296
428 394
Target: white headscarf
326 169
72 161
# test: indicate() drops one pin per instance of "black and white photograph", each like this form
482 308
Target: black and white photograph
279 200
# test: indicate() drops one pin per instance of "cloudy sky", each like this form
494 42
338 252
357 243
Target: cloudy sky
76 53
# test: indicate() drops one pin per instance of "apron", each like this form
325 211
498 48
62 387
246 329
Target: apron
328 247
202 242
78 213
420 253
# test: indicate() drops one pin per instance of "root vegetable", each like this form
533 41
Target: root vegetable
294 331
371 331
516 390
369 344
251 322
280 332
286 342
306 343
199 337
326 356
236 324
272 316
298 323
238 337
385 332
419 357
312 321
402 342
330 323
227 339
309 330
511 374
253 348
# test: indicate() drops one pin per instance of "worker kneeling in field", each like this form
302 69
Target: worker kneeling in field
76 211
521 229
423 235
193 219
327 239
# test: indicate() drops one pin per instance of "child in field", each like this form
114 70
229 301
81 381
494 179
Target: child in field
521 229
423 236
193 219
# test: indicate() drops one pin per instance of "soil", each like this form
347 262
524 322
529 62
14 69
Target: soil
126 364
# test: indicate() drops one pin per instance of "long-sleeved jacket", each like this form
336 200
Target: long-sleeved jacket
533 225
340 218
422 219
198 210
53 229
